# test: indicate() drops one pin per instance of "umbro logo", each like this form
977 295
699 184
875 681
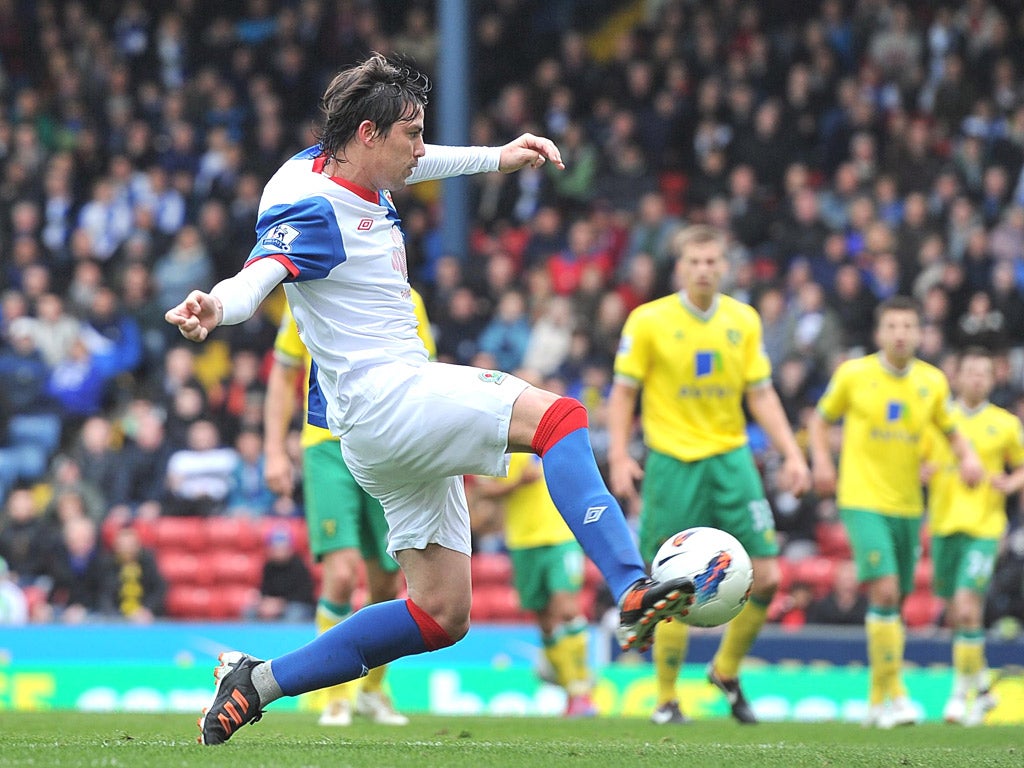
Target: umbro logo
593 514
364 225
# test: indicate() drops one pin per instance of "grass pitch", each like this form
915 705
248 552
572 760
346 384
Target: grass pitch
289 740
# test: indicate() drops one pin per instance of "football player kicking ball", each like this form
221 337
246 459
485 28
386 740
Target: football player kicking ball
346 524
409 428
886 401
697 356
967 523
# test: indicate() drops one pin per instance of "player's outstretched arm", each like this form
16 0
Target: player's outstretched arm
624 471
278 409
824 469
229 302
529 150
767 410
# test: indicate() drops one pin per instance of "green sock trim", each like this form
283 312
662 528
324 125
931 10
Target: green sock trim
760 602
576 626
338 610
969 635
877 612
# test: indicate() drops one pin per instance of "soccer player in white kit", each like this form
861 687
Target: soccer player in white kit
409 428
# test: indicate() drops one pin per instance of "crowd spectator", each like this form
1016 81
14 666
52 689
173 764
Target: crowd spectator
76 567
286 587
133 587
199 475
25 540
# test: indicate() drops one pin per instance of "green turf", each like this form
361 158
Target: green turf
289 740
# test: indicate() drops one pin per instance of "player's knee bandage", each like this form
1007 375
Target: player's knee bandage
565 415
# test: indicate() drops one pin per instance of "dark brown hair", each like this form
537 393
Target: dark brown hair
382 90
897 304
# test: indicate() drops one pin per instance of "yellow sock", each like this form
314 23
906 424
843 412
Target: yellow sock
884 652
374 680
558 648
897 688
671 639
329 615
576 645
968 661
740 634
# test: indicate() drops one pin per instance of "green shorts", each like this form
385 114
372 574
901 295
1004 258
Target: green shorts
722 491
883 545
539 572
339 513
963 562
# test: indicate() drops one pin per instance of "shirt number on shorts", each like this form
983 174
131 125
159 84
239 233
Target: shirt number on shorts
760 514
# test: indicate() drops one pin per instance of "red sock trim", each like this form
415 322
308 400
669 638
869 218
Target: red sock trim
565 415
433 636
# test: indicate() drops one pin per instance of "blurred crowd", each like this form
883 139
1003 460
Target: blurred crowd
850 149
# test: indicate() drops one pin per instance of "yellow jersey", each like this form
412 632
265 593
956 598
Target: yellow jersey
953 506
694 368
531 518
288 348
885 414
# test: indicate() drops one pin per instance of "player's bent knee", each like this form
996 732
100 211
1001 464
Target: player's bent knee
437 631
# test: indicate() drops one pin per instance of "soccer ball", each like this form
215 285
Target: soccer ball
719 567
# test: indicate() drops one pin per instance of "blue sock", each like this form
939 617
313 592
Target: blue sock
370 637
592 513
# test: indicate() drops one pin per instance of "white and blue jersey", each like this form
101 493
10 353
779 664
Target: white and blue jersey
348 282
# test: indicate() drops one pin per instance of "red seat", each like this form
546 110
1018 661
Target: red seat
921 609
833 540
231 600
188 533
592 576
146 529
237 533
236 568
188 602
179 567
491 569
817 572
497 603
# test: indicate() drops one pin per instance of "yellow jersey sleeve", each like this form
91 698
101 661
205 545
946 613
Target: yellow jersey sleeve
758 366
288 346
832 405
423 325
633 356
1015 450
943 415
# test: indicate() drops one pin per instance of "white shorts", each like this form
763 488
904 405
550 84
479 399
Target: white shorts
411 433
